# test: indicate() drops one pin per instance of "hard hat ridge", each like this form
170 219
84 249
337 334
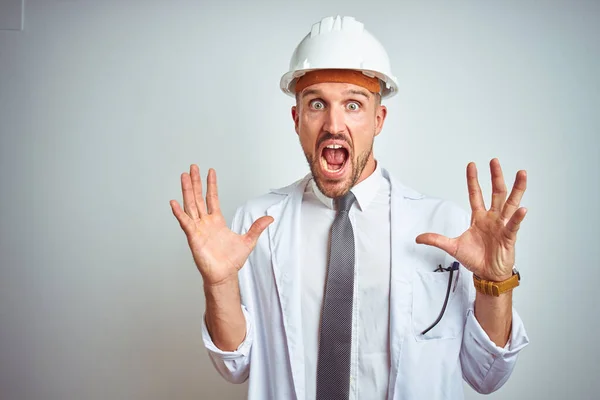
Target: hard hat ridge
329 24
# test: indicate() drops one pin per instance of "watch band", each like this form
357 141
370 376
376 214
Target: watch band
495 289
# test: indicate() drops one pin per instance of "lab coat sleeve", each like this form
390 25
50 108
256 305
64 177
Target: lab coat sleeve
234 366
485 366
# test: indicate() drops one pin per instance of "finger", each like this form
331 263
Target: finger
189 201
212 193
475 197
184 219
257 229
439 241
513 225
498 186
516 194
197 185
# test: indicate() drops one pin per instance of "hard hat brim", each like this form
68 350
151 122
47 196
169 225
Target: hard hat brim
389 88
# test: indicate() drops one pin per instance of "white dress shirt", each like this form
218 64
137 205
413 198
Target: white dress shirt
370 218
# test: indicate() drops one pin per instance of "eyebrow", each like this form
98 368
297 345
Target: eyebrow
345 92
311 91
357 92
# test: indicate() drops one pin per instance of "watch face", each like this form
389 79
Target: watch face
516 272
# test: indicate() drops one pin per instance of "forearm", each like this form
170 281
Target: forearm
494 314
224 317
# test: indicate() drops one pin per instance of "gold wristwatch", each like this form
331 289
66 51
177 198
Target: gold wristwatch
495 289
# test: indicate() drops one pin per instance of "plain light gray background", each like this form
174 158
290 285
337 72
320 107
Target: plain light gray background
104 103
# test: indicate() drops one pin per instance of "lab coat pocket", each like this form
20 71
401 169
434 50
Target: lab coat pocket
429 292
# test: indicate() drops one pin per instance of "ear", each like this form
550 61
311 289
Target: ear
380 114
295 117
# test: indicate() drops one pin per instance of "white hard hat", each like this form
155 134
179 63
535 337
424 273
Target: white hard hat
340 43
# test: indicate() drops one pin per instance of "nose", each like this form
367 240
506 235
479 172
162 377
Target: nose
335 121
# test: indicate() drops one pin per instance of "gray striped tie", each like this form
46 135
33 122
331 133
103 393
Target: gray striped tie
335 342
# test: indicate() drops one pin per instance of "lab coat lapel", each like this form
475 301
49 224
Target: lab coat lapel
284 233
403 217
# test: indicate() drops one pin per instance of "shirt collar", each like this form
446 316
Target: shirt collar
364 192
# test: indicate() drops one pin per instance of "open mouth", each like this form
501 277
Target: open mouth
334 158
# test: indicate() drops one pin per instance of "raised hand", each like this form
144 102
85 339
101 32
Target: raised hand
218 252
487 248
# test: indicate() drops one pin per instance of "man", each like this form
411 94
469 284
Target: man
348 284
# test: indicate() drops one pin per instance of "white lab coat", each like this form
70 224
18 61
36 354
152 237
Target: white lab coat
423 367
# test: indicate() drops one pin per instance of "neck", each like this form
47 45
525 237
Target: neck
368 170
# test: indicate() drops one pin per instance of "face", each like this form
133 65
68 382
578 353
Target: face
337 124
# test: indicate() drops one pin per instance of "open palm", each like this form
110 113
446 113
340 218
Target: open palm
487 247
218 252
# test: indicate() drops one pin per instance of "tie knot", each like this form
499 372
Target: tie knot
345 202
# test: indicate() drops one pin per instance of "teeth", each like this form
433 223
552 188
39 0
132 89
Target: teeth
334 146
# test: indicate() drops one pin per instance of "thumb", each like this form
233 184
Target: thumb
439 241
257 228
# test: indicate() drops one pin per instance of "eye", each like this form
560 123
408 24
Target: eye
353 106
317 104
